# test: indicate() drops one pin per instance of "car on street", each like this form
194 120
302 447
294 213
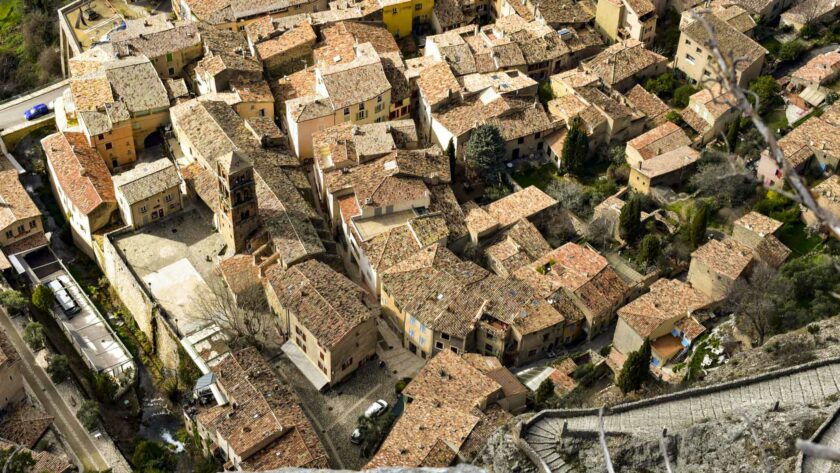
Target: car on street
36 111
376 409
356 436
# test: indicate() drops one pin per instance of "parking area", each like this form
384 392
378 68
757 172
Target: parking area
336 412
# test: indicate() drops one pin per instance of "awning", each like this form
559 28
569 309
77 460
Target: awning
813 95
296 355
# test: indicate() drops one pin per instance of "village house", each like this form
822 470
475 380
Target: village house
664 316
403 17
385 208
216 72
625 64
814 144
21 226
528 203
819 71
285 51
451 14
234 16
716 265
664 170
621 19
325 317
169 46
116 102
582 276
827 194
515 247
248 99
651 106
82 184
522 123
443 303
695 59
810 12
357 91
709 113
457 403
148 192
258 423
764 10
662 139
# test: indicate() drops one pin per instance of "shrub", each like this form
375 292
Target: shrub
58 368
43 298
791 50
33 335
88 414
682 94
544 392
13 301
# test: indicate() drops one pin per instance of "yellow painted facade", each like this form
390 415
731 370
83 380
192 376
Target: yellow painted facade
401 16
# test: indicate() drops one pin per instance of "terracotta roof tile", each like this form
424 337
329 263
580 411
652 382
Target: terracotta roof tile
80 171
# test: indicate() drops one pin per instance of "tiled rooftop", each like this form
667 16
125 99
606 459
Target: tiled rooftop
819 68
79 170
262 421
667 299
450 380
147 179
16 203
759 223
669 162
328 304
521 204
732 42
662 139
622 60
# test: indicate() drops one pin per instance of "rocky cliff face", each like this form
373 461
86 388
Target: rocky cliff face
747 443
815 342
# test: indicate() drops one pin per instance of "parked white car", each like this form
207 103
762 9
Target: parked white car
376 409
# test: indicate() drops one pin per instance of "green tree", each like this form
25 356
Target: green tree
768 92
576 147
88 414
450 153
374 431
697 230
662 85
16 461
682 94
13 301
630 220
545 93
42 298
791 50
636 369
33 335
732 134
544 392
58 368
152 457
104 387
485 154
649 249
674 117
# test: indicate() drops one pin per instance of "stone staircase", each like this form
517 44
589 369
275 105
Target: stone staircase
543 437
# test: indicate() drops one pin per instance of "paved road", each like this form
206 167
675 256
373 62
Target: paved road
800 388
11 114
74 433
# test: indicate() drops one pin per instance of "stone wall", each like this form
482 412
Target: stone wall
150 317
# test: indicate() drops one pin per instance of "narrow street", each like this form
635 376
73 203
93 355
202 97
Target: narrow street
74 433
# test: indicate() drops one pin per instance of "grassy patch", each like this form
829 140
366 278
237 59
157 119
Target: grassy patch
536 176
795 237
772 45
776 120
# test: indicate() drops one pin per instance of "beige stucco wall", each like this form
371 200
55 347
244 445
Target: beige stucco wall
703 278
116 146
699 64
151 209
172 65
20 229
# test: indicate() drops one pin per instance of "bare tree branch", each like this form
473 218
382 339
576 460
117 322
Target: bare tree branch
664 448
816 450
602 435
725 75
